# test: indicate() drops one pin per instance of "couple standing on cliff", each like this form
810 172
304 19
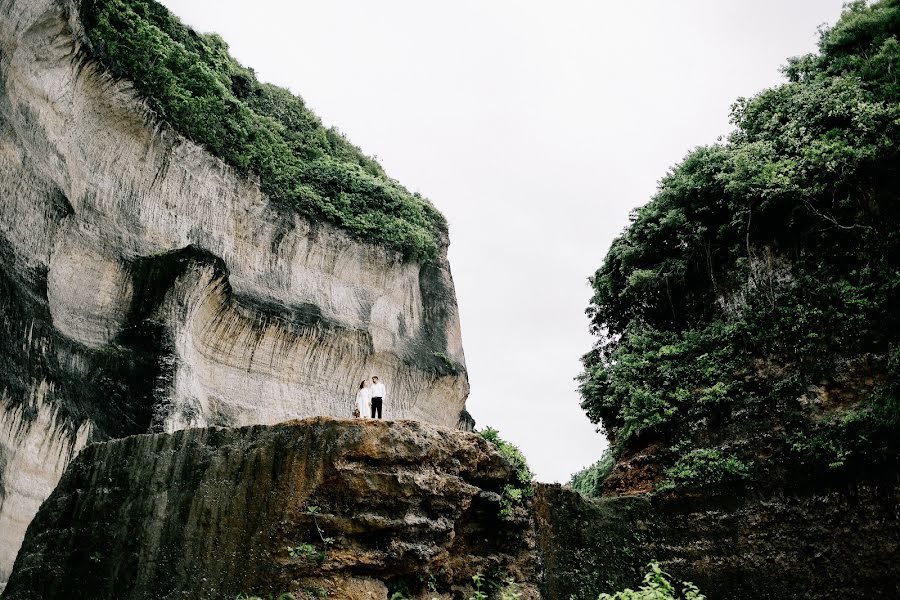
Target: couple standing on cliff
369 398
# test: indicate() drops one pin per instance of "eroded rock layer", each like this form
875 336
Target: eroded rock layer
145 285
350 507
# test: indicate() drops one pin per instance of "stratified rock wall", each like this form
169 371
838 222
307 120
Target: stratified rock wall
147 286
211 513
837 541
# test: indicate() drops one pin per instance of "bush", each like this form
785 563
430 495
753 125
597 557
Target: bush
589 481
657 586
517 494
704 467
192 83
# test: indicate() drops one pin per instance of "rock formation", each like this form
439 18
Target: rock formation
362 509
747 357
146 286
351 508
832 540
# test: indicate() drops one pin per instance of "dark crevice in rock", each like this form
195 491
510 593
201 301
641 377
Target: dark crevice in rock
429 351
103 385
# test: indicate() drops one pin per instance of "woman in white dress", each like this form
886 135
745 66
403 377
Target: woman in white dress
363 399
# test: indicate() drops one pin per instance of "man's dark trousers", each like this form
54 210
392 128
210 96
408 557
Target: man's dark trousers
376 407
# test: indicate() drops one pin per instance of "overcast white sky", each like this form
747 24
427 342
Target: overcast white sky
535 127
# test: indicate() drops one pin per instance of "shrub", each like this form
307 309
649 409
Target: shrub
192 83
704 467
657 586
513 494
589 481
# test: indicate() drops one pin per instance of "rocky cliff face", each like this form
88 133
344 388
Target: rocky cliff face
361 509
831 540
348 508
145 285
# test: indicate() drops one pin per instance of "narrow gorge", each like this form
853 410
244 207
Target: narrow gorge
195 273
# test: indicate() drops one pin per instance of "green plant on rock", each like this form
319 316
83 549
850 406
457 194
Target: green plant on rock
858 436
316 591
509 590
589 481
191 81
446 366
704 467
309 551
284 596
481 591
496 585
306 551
428 580
313 511
657 585
513 494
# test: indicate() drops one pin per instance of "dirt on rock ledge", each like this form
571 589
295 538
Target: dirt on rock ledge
350 508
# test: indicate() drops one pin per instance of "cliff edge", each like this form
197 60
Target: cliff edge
351 509
146 284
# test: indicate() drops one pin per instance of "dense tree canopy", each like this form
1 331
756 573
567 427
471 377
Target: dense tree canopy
192 82
765 264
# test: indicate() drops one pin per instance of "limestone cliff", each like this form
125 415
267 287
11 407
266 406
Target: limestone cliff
348 508
148 286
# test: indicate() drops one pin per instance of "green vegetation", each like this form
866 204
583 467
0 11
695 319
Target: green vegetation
494 587
316 592
480 587
864 432
704 467
657 586
307 551
513 495
192 83
589 481
765 266
446 366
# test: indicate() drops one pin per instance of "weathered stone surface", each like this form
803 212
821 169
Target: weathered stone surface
145 285
210 513
838 541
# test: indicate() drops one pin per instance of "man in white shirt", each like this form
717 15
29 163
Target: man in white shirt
377 396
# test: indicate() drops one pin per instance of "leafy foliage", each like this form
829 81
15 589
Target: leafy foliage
504 588
589 481
480 593
866 432
703 467
766 264
309 551
306 551
657 586
192 82
513 495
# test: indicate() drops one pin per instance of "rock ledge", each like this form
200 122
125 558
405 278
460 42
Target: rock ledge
211 513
